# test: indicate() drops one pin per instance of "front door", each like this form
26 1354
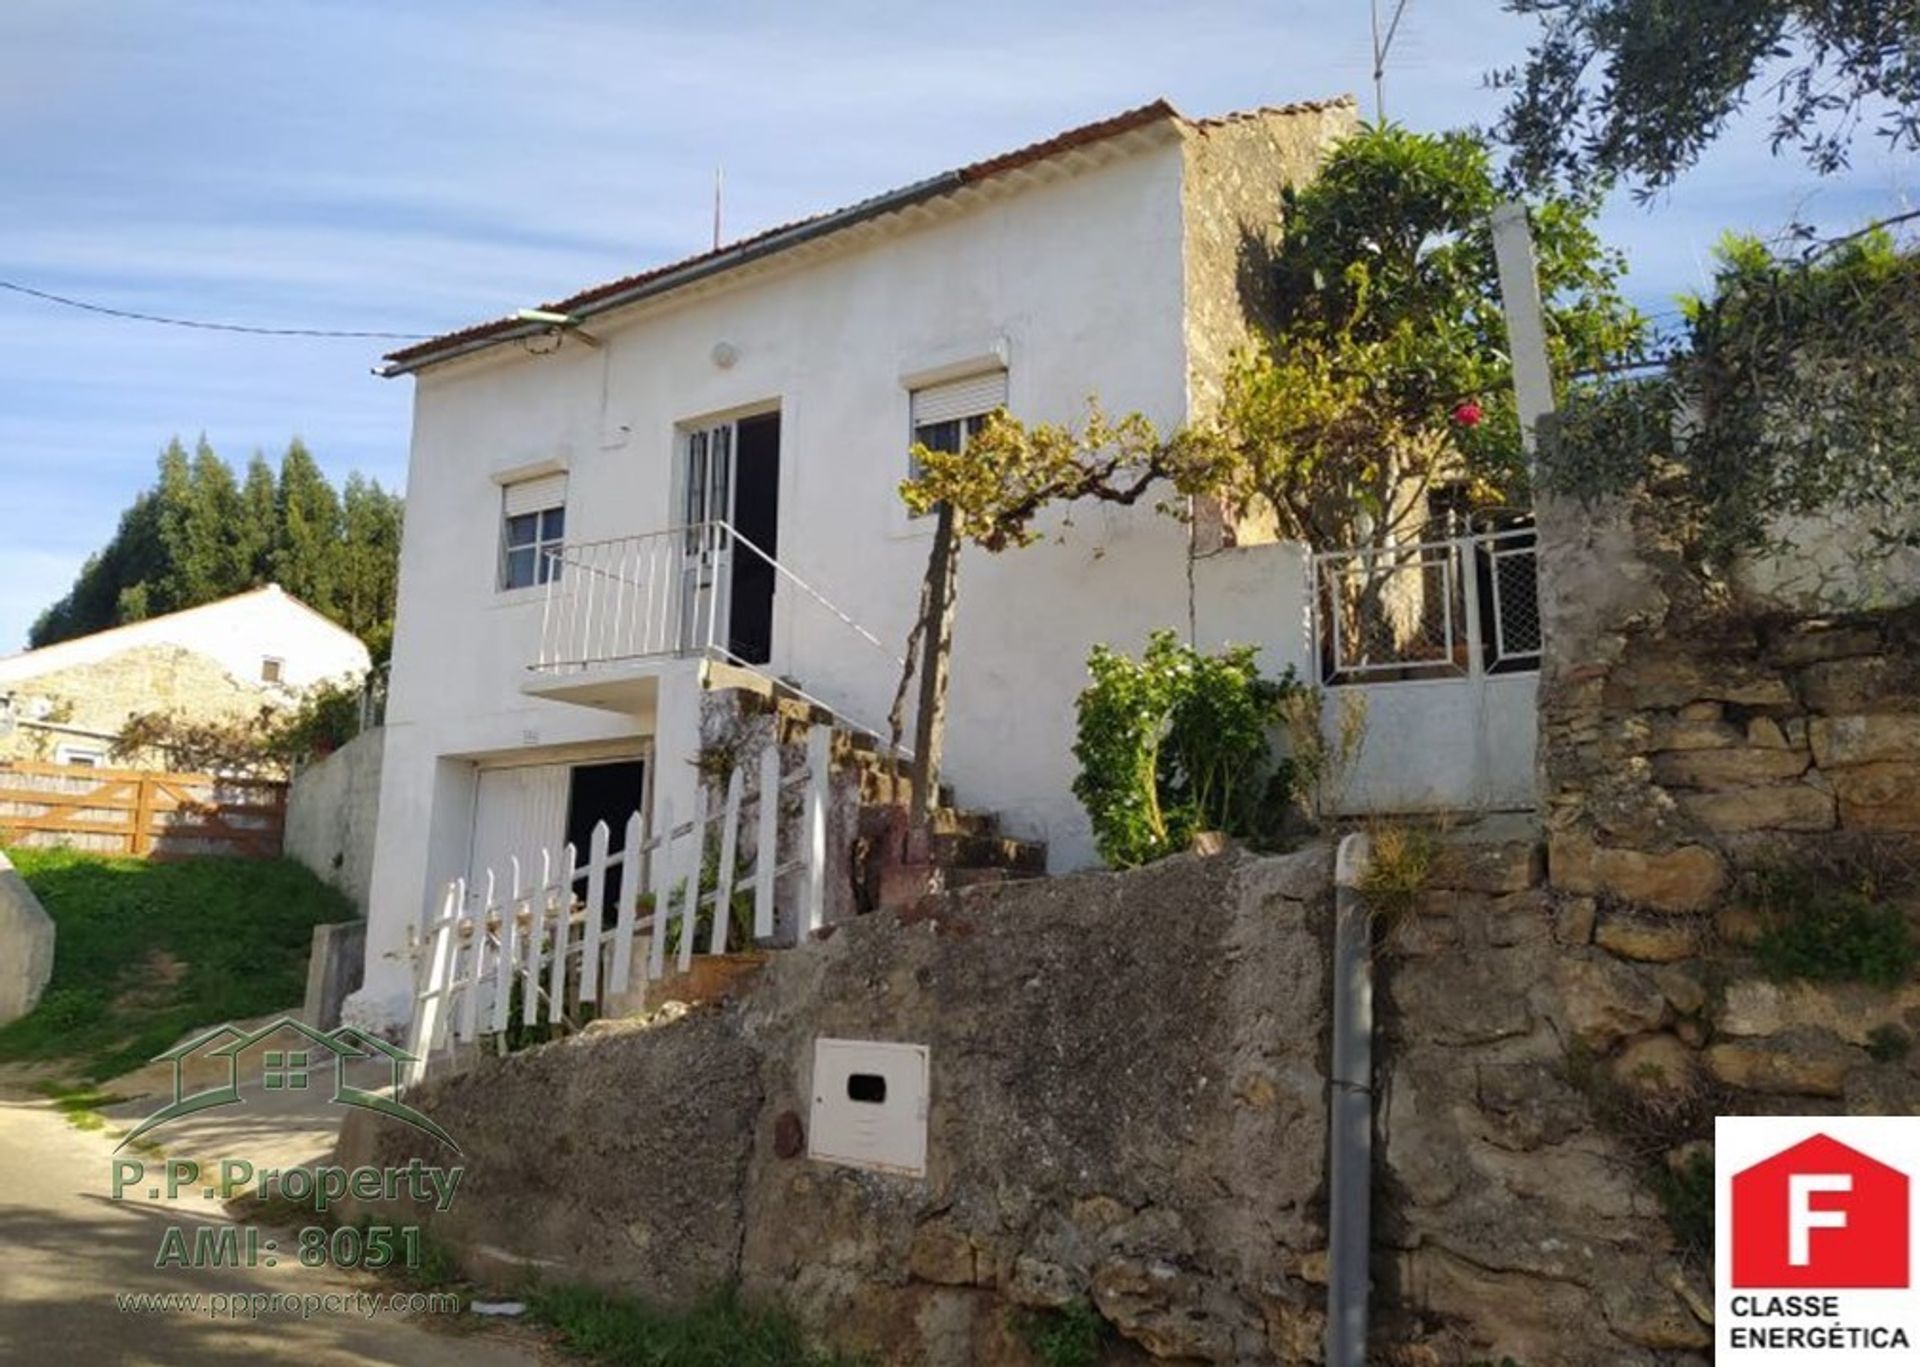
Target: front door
731 515
610 792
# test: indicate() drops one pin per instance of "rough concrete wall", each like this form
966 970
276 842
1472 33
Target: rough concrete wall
26 945
1234 171
333 808
98 698
1127 1104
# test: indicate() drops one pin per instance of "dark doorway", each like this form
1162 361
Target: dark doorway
756 516
602 792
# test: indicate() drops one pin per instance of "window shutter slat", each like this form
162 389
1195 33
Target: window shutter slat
536 495
964 398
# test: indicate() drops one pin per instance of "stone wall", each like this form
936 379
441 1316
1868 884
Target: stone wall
1128 1105
95 700
1234 171
1686 735
1511 1219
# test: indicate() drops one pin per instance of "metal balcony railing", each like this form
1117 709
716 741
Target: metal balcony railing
670 594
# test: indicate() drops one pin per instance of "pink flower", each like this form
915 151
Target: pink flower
1467 414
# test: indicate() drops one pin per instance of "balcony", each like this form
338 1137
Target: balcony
620 613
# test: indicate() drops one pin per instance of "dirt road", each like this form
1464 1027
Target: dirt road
71 1255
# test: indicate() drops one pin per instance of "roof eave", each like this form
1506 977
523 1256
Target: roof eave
694 271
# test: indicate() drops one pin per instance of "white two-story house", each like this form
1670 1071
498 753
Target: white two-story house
563 582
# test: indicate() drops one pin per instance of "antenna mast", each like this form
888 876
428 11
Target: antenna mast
1382 44
718 182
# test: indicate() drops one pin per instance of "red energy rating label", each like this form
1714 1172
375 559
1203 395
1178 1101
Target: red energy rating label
1814 1230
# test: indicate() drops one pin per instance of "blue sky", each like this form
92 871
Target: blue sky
368 165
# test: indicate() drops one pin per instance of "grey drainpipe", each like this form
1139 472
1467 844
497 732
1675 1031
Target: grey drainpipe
1350 1110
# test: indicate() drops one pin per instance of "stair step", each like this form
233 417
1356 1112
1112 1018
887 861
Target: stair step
958 821
973 878
958 851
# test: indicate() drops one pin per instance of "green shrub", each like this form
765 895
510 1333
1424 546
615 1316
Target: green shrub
1816 929
1067 1337
720 1330
1177 742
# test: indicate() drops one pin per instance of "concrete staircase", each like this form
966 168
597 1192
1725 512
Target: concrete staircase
892 867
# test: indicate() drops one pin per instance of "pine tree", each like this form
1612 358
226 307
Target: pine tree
200 530
198 535
259 517
369 565
307 552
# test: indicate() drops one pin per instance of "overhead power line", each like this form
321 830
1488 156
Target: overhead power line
205 326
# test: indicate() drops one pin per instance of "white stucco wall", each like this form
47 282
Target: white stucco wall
1080 280
237 632
1453 745
333 810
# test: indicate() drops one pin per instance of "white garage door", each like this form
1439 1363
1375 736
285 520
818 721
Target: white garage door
518 811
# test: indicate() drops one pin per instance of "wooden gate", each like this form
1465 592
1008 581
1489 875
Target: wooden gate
133 811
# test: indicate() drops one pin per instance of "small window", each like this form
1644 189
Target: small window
947 416
533 532
80 757
270 669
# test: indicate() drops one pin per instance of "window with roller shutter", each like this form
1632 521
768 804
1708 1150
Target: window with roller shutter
946 415
533 531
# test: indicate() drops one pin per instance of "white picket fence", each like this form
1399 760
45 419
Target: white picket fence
532 930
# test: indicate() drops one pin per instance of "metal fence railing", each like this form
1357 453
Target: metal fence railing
671 594
1438 609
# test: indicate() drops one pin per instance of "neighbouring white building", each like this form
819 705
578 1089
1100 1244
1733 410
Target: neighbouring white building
67 702
701 463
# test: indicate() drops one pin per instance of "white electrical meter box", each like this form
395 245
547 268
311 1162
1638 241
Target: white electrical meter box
870 1105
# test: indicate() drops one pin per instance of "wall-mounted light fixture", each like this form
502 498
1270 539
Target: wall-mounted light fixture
556 323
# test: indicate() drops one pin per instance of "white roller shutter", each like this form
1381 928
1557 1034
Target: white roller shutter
965 398
536 495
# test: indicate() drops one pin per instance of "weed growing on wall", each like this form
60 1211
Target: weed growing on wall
1888 1044
1067 1337
1400 866
1686 1198
1817 930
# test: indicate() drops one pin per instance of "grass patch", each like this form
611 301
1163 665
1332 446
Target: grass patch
148 951
1401 863
1067 1337
1820 930
721 1330
80 1105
